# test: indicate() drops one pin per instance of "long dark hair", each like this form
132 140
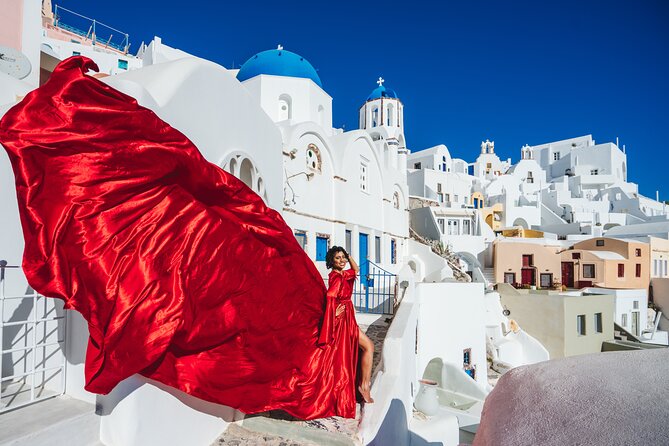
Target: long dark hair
332 252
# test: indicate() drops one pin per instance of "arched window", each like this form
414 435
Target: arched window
246 173
396 200
232 167
375 116
390 120
313 158
285 107
260 188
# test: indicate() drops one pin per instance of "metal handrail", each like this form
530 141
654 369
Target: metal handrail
92 30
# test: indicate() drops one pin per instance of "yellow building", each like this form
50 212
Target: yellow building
566 325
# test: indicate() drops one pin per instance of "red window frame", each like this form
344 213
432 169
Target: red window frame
638 269
621 270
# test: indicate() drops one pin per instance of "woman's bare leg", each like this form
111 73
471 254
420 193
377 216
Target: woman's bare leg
367 347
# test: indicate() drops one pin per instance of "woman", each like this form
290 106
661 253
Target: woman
340 289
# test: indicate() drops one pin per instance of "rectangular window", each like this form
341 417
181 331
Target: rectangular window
322 246
441 225
440 197
556 156
598 322
621 270
637 252
665 269
638 269
76 53
467 357
301 237
416 166
576 255
438 187
599 242
635 305
656 264
594 172
510 278
488 166
448 197
393 251
528 260
546 280
122 64
456 198
377 249
580 324
588 271
453 227
623 320
466 227
363 177
348 241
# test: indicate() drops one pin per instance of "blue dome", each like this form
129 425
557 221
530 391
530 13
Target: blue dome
382 92
278 62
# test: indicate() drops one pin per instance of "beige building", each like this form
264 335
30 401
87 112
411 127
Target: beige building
566 324
527 261
607 263
659 257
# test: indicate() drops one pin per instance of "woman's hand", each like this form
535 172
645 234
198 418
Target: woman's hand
340 309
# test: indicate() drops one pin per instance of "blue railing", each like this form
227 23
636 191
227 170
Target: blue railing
376 291
98 33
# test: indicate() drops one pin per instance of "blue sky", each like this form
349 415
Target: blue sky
516 72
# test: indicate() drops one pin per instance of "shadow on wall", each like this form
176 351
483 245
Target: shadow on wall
12 338
394 429
105 404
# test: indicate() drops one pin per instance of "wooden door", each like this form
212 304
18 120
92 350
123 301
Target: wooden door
568 274
527 276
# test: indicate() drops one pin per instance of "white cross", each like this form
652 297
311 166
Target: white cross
380 81
279 47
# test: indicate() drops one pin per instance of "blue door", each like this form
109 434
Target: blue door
321 248
362 256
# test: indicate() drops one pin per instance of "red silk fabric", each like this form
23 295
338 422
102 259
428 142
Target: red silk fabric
182 272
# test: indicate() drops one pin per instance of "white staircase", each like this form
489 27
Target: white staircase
489 276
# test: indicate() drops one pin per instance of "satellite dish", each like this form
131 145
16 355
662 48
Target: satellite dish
14 62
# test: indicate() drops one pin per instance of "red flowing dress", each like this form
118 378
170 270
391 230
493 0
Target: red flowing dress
182 272
345 334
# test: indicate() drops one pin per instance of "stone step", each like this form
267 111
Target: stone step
56 421
269 430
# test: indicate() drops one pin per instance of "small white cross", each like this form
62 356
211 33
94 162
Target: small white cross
380 81
279 47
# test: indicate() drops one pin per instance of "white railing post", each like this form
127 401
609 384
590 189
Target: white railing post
3 264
